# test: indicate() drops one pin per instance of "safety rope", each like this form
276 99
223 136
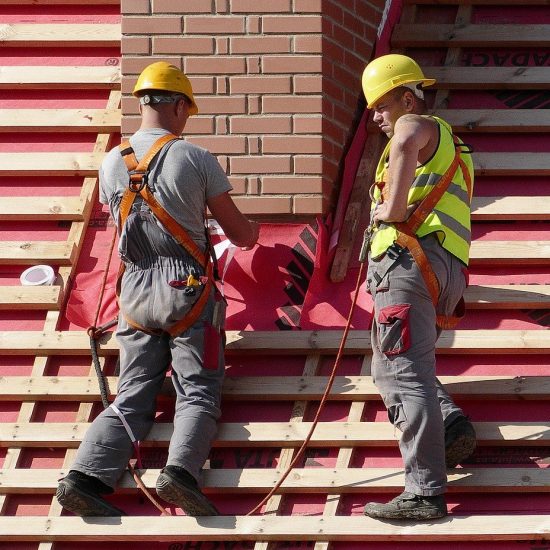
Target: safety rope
324 398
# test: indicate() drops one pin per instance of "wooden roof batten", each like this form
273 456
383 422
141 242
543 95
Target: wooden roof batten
309 480
273 528
479 341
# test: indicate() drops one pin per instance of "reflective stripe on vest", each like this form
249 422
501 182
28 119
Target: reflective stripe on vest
450 219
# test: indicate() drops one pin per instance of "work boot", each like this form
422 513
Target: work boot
460 441
81 495
179 487
408 506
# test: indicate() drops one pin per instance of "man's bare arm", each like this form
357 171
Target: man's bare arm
412 134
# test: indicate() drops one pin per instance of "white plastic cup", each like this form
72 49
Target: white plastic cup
37 275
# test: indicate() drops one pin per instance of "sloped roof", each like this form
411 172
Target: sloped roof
59 84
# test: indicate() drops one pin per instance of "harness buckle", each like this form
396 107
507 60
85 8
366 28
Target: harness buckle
465 148
137 180
394 251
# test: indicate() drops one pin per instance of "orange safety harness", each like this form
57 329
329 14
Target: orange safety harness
138 173
406 231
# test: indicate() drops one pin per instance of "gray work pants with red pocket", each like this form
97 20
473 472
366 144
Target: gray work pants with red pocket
404 335
196 357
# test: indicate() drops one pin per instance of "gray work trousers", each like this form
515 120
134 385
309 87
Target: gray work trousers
196 357
404 335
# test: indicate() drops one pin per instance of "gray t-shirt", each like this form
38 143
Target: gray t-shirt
182 177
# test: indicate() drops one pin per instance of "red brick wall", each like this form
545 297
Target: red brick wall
276 81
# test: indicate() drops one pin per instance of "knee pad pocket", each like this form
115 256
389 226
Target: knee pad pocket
396 415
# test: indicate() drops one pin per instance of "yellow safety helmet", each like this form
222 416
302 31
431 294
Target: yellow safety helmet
388 72
164 76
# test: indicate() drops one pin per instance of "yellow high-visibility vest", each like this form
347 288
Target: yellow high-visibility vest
450 219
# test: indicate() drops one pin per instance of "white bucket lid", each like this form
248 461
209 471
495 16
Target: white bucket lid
37 275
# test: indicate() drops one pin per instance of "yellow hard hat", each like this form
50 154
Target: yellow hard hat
388 72
164 76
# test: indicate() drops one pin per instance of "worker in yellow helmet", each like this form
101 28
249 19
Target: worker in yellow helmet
158 187
418 244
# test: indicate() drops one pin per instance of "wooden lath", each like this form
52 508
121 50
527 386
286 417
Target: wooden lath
507 296
60 120
274 434
29 297
470 35
510 208
467 342
50 164
80 35
37 252
490 78
300 528
510 252
62 77
510 121
42 208
329 481
288 388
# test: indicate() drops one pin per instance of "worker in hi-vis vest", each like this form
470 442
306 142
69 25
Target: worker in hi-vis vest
418 249
158 187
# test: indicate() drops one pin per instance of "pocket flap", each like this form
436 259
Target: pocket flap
389 313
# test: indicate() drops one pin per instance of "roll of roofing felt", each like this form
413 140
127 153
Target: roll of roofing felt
37 275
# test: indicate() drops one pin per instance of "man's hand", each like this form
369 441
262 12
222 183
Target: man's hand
382 213
256 233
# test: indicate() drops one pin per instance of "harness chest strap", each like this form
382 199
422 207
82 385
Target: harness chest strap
137 184
406 235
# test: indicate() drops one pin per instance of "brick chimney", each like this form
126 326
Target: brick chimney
277 83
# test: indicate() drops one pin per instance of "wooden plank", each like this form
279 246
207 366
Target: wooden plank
512 164
61 120
497 120
356 211
507 296
30 297
299 528
290 388
510 208
492 120
86 164
36 252
42 208
470 35
50 164
302 480
274 434
489 78
36 35
510 252
61 77
491 341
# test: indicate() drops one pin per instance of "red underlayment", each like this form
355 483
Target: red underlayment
282 285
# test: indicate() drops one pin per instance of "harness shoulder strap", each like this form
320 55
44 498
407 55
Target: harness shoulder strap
138 184
406 233
137 172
